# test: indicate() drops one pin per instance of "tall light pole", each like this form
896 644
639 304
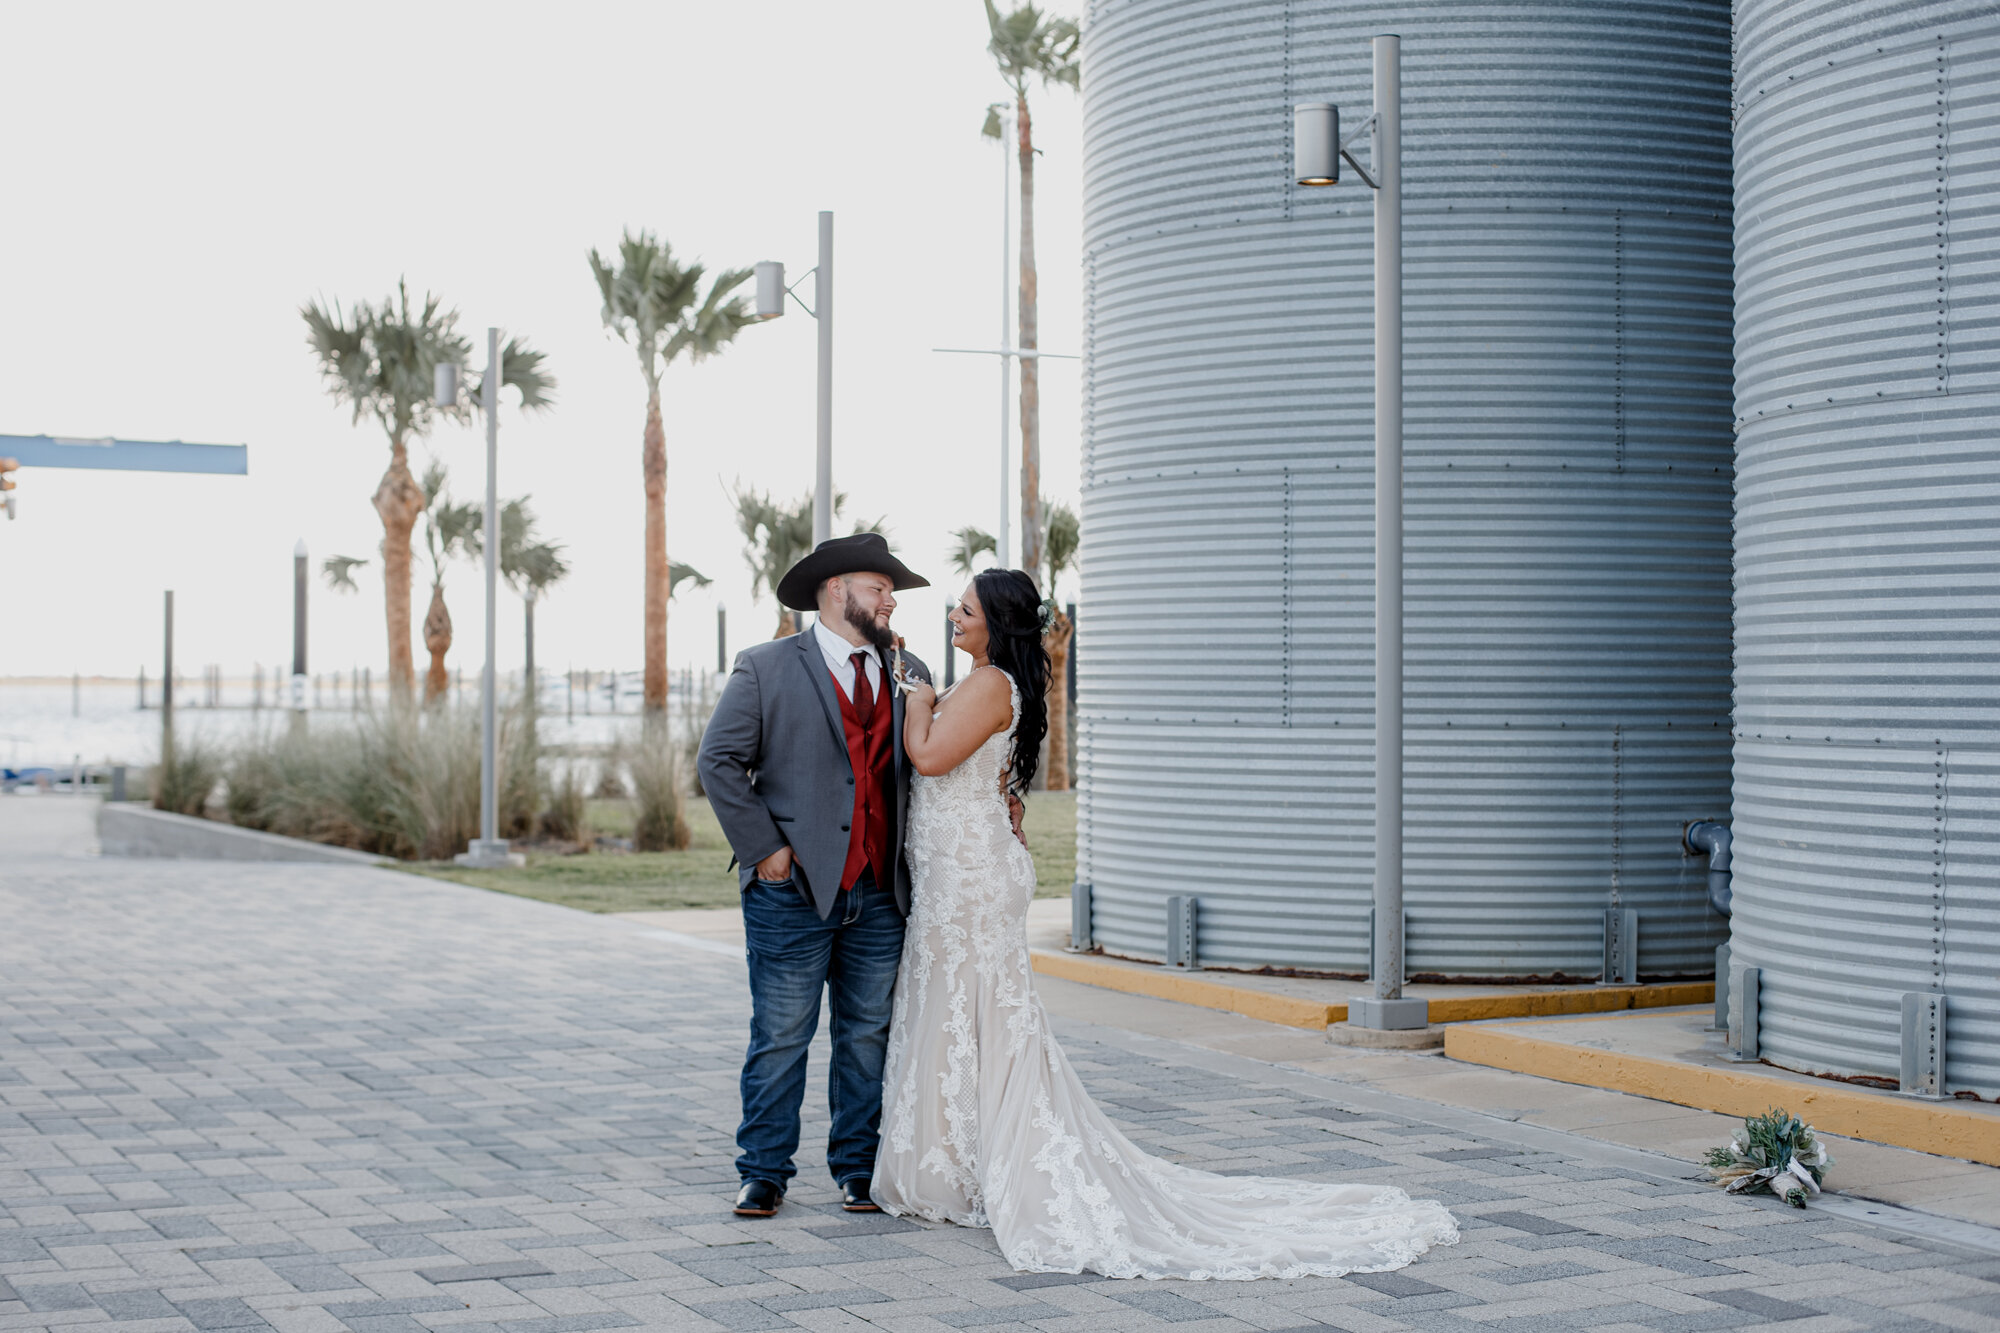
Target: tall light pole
1006 351
489 849
1317 153
771 294
1006 114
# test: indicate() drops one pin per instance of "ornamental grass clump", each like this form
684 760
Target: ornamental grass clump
659 790
1775 1151
401 782
186 775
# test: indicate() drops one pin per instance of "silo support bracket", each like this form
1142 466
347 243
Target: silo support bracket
1743 987
1181 910
1621 947
1720 1023
1923 1044
1079 918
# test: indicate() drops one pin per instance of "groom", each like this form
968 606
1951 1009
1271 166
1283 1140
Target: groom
803 763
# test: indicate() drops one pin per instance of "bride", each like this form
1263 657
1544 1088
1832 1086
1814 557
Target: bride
984 1121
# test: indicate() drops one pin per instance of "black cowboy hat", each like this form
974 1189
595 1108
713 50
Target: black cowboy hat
863 553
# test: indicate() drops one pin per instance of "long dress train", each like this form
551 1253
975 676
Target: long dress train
986 1124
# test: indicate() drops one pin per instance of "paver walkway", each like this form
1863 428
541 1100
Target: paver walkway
308 1098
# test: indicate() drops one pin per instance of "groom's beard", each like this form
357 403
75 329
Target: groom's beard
880 635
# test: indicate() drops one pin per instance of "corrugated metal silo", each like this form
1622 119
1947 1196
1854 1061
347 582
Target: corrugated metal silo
1867 783
1567 282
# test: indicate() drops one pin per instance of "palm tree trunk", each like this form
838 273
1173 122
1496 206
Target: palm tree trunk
788 623
1056 641
1031 384
437 638
399 501
654 463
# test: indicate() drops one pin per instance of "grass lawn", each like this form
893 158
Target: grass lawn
700 876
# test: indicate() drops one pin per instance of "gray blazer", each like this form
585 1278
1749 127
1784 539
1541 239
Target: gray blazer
774 763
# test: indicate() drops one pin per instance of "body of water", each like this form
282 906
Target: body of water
98 721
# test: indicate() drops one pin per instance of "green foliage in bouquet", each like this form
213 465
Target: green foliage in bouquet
1775 1151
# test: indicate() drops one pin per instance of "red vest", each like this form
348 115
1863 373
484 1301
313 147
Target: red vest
869 753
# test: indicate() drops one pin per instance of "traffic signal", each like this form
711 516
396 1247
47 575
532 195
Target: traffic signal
7 465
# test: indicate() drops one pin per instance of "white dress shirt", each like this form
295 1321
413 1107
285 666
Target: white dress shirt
839 655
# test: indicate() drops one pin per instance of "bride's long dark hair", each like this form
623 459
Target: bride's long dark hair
1012 605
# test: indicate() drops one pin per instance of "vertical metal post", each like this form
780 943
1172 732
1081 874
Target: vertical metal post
721 640
299 608
823 313
298 677
489 850
490 399
1386 1007
167 685
1006 331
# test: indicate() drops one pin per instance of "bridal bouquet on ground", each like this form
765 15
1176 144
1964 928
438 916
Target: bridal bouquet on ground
1776 1152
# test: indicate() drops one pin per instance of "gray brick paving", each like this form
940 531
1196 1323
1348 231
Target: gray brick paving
318 1098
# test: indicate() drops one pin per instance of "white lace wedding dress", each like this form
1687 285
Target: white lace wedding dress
985 1124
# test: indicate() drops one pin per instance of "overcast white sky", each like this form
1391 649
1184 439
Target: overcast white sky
179 179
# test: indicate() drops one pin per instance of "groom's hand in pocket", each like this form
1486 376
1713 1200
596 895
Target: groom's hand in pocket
777 867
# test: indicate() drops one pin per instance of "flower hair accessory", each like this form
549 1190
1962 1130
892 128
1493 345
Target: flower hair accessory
1047 613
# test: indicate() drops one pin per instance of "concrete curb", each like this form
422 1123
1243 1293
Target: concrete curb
1948 1129
137 830
1205 992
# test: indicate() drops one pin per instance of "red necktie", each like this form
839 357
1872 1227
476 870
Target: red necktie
864 698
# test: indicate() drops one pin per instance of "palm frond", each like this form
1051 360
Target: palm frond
1030 43
1060 539
382 358
433 481
678 574
521 369
654 302
338 570
968 544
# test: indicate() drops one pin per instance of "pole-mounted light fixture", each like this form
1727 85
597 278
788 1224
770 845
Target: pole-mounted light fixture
1316 143
771 294
1317 152
444 384
770 289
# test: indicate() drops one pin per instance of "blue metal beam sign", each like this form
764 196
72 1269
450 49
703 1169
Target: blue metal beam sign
126 455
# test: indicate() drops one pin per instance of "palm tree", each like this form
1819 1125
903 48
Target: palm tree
968 544
450 530
776 537
383 359
655 302
531 568
1026 44
1064 535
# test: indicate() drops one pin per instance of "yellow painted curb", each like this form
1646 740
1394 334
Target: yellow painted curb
1581 1000
1948 1129
1292 1011
1163 984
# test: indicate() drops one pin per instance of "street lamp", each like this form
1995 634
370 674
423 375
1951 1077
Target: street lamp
489 850
1317 152
771 293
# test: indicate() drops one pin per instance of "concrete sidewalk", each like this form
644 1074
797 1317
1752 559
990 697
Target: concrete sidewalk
1865 1168
308 1097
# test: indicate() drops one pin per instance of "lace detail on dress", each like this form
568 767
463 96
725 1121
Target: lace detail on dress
987 1124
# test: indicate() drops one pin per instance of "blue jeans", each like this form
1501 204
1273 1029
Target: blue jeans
852 954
